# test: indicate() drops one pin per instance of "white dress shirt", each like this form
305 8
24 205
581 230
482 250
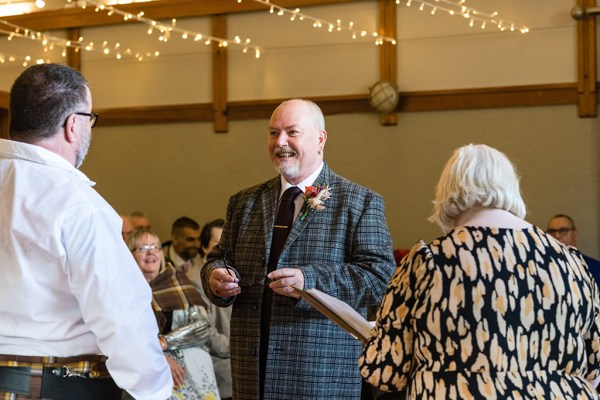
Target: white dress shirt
68 283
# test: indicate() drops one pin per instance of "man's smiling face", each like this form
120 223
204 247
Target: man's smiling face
296 141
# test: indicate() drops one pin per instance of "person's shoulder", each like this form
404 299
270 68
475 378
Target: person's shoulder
345 186
256 190
445 246
591 262
418 256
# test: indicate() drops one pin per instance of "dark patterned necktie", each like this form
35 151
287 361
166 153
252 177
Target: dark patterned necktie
283 224
281 230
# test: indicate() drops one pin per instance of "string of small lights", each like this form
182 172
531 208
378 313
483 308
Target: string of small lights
49 42
38 3
13 58
320 23
165 30
469 13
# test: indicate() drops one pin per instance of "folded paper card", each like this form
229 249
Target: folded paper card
339 312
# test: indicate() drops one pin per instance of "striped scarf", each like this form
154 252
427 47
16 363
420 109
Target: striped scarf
172 290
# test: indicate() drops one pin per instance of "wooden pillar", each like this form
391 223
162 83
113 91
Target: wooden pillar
73 57
586 62
388 64
219 75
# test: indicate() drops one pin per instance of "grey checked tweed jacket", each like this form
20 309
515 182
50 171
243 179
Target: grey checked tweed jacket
344 250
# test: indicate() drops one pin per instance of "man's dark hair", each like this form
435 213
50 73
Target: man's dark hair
184 222
42 98
206 233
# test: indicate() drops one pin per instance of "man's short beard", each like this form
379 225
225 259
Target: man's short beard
79 157
82 150
189 253
288 173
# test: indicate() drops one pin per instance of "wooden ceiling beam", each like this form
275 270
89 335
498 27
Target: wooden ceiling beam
77 17
438 100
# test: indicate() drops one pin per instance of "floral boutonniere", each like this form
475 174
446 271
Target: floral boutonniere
314 197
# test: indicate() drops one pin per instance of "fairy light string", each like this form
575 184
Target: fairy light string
482 19
23 60
474 16
336 26
50 42
165 31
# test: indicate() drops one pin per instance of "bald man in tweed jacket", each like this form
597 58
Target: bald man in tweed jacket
344 250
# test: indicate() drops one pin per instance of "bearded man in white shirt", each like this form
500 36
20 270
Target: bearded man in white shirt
72 301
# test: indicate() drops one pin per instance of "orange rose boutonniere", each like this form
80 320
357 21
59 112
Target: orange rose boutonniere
314 198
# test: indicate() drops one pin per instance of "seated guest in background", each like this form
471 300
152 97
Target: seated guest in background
210 235
127 227
493 309
183 249
186 334
562 227
183 252
139 220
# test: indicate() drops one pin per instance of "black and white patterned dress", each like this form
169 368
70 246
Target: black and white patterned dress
488 313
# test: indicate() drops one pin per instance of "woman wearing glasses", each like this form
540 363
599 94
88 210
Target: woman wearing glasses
186 336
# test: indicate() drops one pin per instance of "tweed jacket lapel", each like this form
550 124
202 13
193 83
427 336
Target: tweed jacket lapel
326 176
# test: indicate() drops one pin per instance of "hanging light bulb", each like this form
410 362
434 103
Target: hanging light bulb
40 3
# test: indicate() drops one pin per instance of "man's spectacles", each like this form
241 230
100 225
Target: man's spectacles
92 116
560 231
147 247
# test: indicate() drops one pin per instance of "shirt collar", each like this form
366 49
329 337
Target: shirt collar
302 185
10 149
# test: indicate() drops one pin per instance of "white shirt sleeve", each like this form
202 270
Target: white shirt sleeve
115 302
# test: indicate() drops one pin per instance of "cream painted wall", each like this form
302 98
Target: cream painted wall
434 52
185 169
442 52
